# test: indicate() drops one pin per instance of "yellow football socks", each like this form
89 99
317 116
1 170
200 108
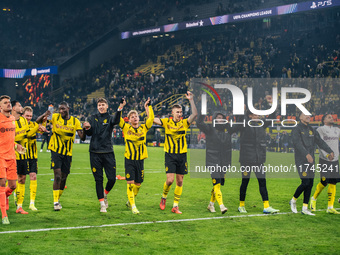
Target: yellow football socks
242 203
166 190
318 190
56 196
178 193
136 189
331 195
33 190
218 194
265 204
212 198
60 193
20 194
130 194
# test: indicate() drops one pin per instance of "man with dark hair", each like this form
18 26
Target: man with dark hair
61 145
218 153
21 132
100 126
8 169
329 173
175 147
253 156
304 141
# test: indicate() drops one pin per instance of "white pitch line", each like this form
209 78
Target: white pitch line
143 223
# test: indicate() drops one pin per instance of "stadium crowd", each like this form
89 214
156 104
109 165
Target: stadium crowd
220 57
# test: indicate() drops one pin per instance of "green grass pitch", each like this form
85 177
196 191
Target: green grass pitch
159 232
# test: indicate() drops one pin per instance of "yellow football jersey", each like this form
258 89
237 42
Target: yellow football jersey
63 134
21 131
32 140
175 139
135 138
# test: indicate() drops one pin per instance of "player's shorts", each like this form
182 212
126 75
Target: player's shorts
8 169
176 163
22 167
33 165
306 171
134 170
62 162
329 171
248 168
216 181
99 161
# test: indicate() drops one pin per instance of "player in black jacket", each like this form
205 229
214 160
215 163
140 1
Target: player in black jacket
252 157
100 126
304 139
218 153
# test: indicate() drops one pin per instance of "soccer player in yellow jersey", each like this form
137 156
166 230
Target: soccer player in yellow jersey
175 147
21 131
61 144
135 151
32 155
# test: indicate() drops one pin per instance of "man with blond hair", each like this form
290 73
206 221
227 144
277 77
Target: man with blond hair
175 147
32 154
135 152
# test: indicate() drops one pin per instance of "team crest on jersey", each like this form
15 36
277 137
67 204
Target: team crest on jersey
323 178
128 176
304 174
94 170
310 132
214 181
105 121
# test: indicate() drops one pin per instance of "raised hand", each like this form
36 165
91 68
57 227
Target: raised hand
42 128
123 103
86 125
147 102
189 95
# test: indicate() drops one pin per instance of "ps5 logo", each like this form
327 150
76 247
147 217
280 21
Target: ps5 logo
321 4
238 99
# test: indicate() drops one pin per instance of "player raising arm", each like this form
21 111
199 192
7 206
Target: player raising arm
175 147
61 145
135 151
32 157
100 127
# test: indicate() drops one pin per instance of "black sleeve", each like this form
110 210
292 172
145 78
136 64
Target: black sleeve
201 125
238 127
271 117
89 132
298 143
116 118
